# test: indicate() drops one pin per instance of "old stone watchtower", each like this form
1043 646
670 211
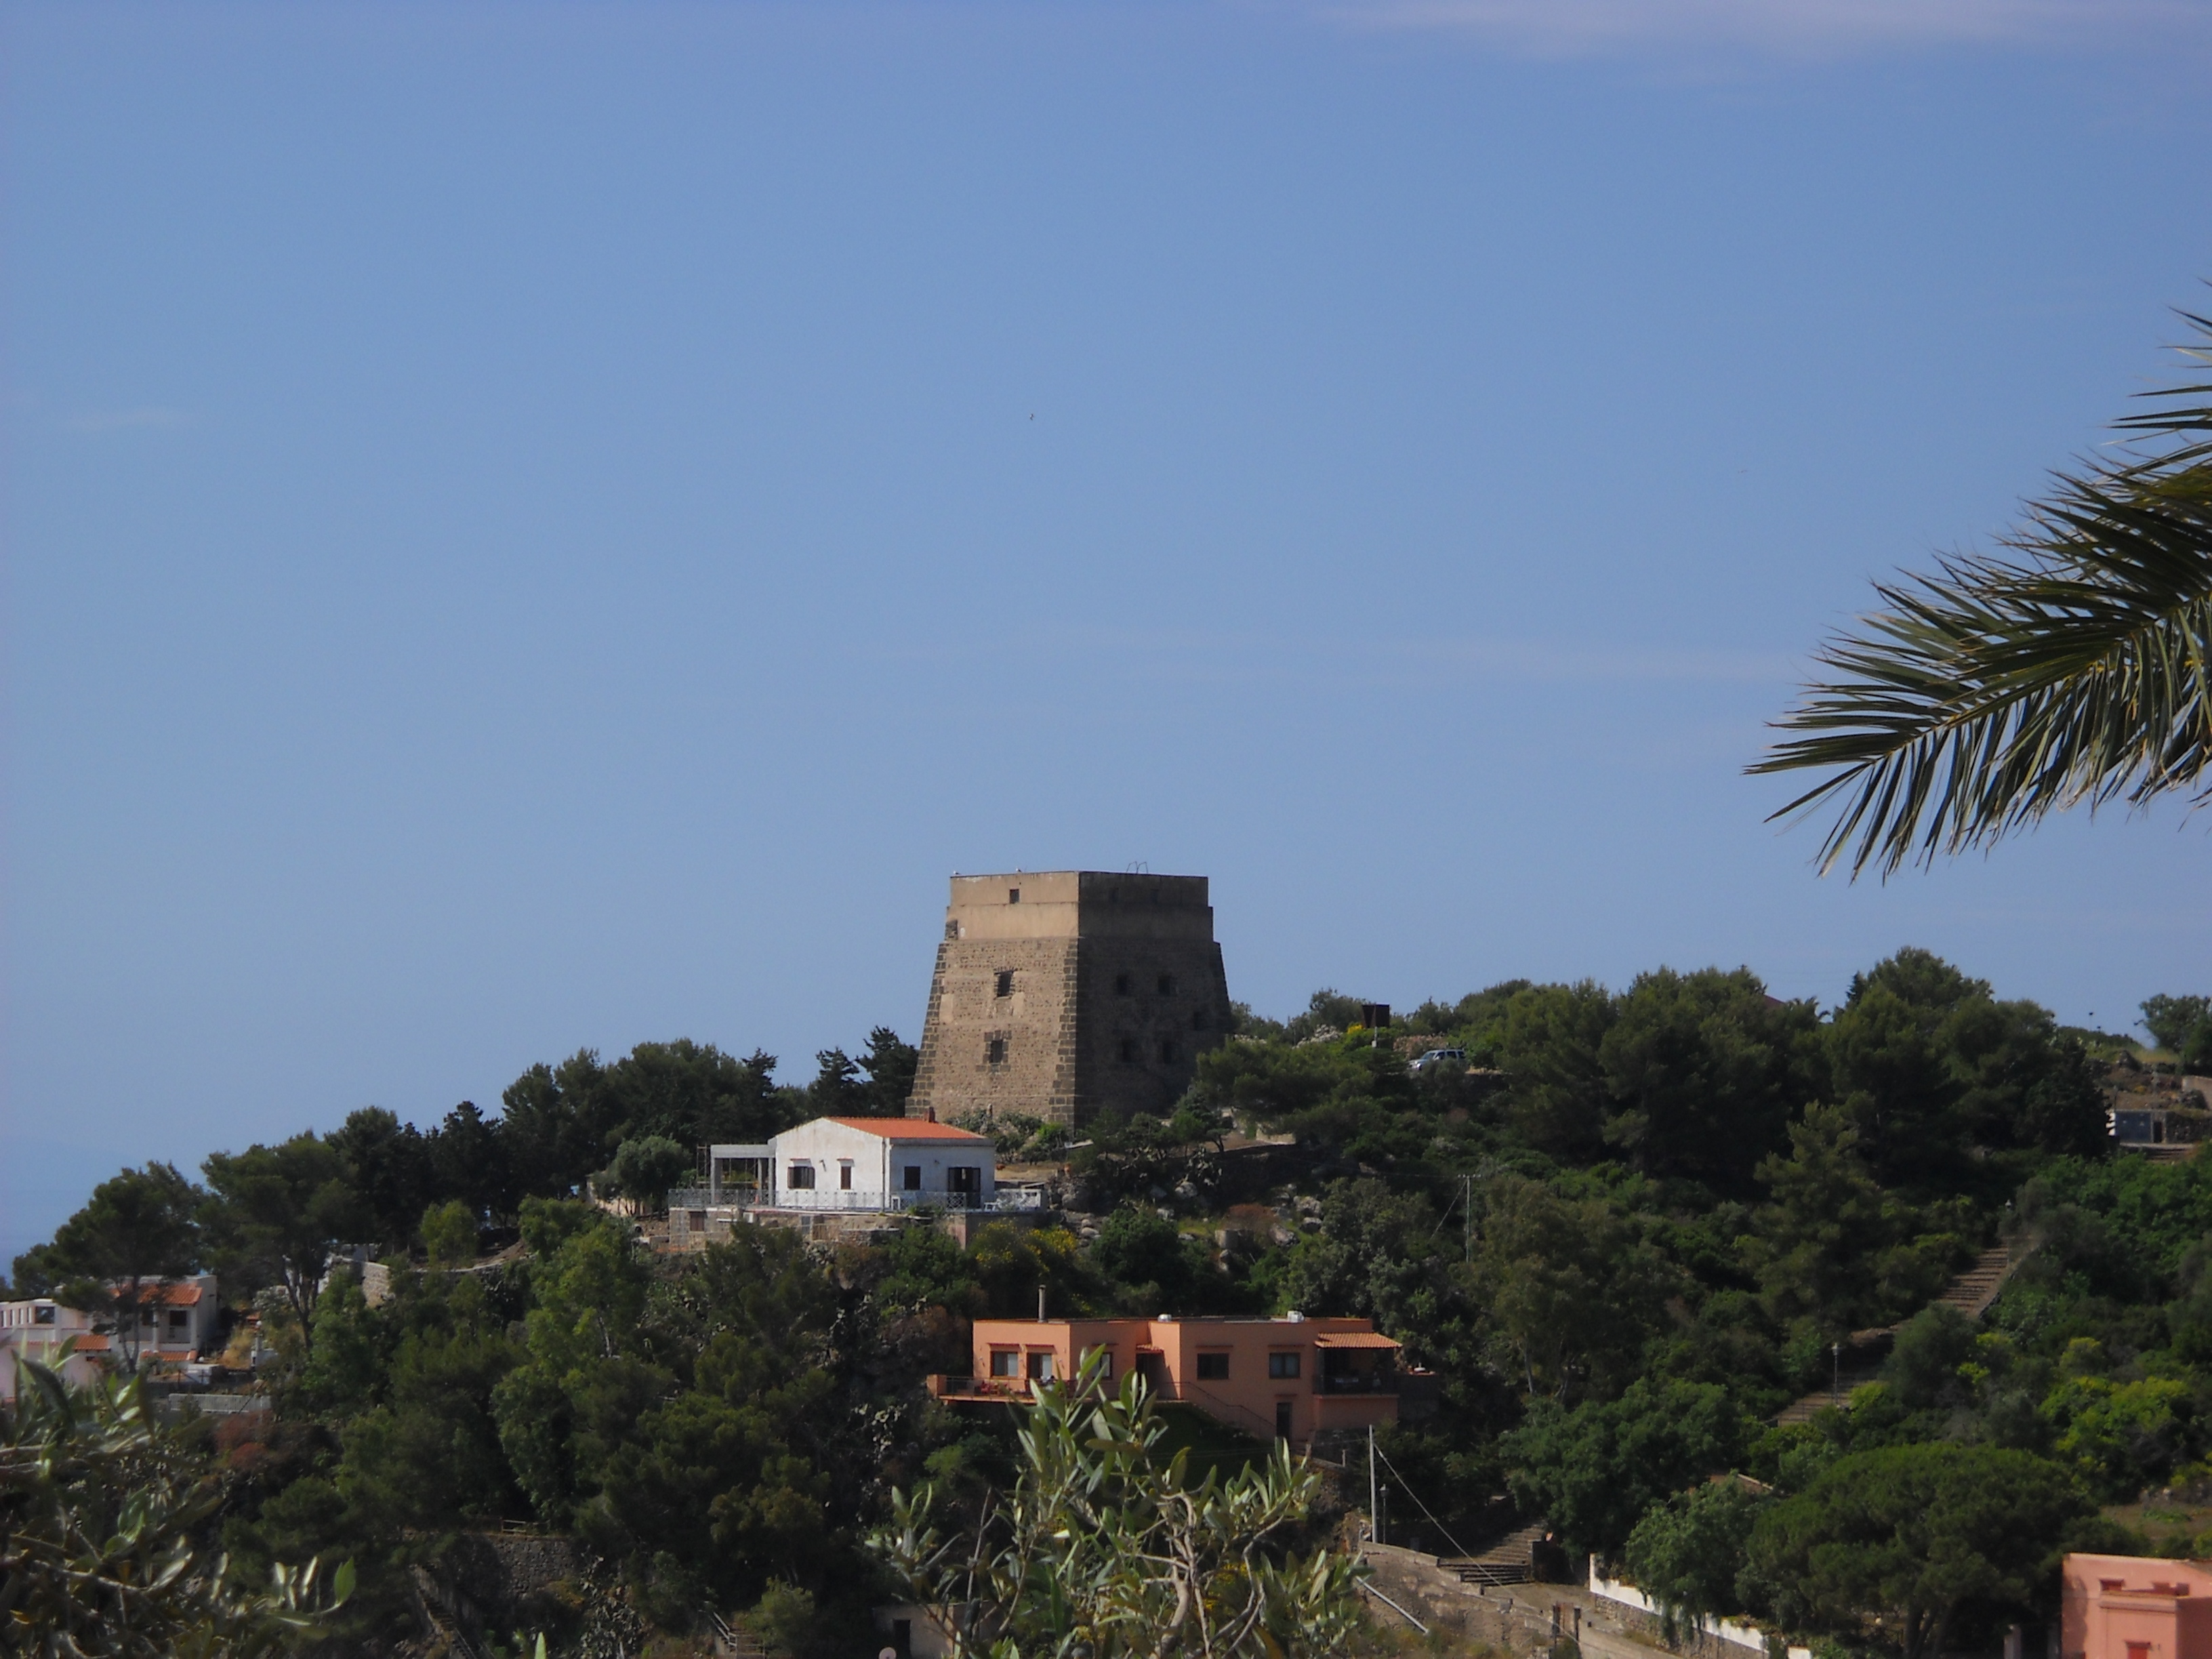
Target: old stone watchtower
1070 993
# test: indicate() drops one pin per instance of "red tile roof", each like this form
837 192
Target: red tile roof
1354 1339
907 1129
171 1295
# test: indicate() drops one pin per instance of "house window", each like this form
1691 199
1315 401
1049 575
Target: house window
1041 1367
1128 1051
1005 982
1013 895
995 1051
1282 1364
844 1174
178 1319
1005 1362
913 1177
43 1315
1167 1051
146 1316
799 1177
1124 984
964 1178
2138 1650
1213 1367
1105 1359
1167 985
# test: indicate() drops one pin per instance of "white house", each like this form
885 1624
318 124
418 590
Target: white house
862 1164
177 1322
178 1319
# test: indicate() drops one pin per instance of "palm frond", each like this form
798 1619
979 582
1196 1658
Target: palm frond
2071 669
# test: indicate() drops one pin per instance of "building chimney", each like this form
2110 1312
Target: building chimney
1040 1305
933 1114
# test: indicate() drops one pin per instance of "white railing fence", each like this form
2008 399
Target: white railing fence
830 1198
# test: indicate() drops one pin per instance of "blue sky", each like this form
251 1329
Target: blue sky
545 526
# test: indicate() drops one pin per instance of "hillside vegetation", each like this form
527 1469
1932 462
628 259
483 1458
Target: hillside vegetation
1624 1234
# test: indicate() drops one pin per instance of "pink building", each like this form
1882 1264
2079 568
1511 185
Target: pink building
1286 1379
2133 1607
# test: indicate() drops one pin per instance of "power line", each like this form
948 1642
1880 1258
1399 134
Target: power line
1405 1486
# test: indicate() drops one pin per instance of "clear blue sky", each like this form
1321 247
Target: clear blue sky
543 526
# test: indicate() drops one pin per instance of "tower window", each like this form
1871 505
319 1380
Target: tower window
1167 1051
995 1051
1013 895
1005 981
1167 985
1128 1051
1198 1020
1124 984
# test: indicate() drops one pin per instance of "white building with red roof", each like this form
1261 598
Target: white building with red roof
872 1164
177 1322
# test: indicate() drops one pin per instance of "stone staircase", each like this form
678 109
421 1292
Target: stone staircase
1973 1290
1509 1561
1971 1293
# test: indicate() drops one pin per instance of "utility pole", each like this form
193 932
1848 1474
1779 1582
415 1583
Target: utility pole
1374 1512
1468 1182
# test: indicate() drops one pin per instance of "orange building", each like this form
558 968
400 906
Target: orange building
2132 1607
1287 1379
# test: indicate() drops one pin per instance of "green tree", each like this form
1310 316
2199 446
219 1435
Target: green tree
561 1124
389 1169
1574 1294
449 1234
1594 1469
2172 1021
104 1521
469 1161
1700 1073
136 1234
2005 687
1104 1548
1687 1553
1813 1243
890 1064
1912 1534
1550 1050
644 1171
1143 1252
1012 1264
274 1217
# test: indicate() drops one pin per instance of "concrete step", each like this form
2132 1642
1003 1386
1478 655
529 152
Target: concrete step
1506 1562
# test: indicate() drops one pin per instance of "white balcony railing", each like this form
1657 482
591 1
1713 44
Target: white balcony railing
831 1198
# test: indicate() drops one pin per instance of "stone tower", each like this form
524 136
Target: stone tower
1068 994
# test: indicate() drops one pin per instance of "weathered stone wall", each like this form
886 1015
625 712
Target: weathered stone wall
1063 995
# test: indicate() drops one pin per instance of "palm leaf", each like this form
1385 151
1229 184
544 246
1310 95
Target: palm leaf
2072 668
